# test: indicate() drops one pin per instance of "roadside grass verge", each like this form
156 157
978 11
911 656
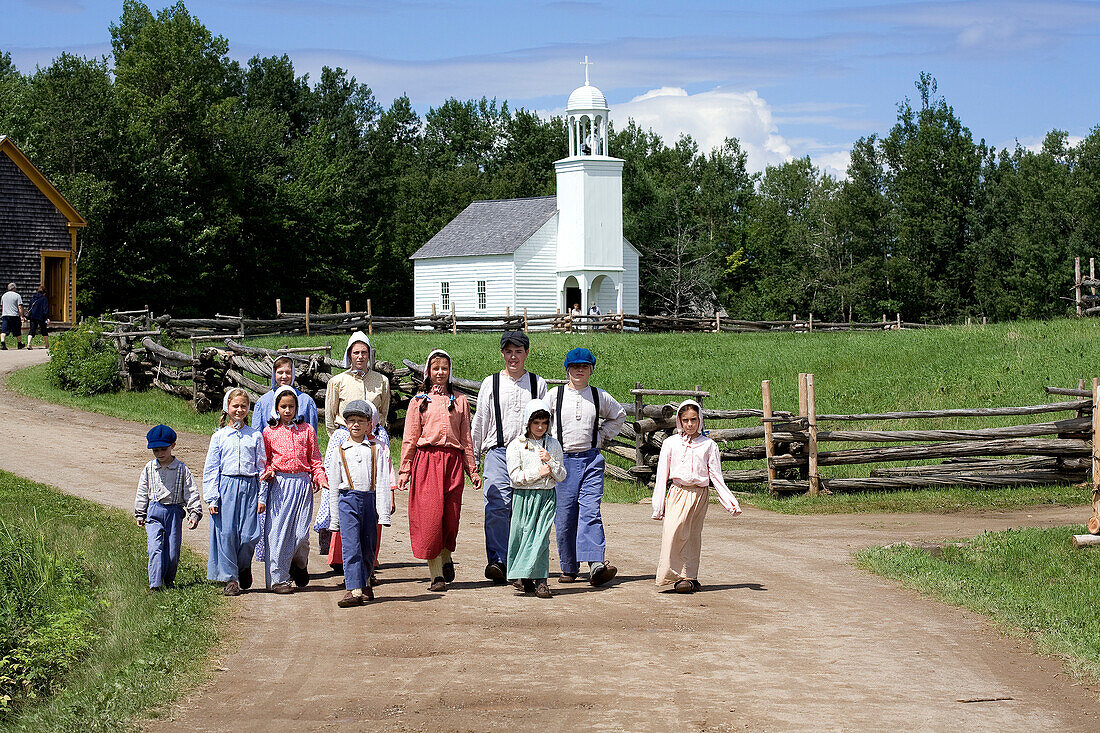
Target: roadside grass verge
1031 582
136 650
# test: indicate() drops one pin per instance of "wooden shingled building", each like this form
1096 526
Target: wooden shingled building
37 234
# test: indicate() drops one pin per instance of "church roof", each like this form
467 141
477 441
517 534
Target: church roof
490 228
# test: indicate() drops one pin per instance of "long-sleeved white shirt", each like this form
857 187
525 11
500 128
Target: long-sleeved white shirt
514 396
578 415
524 464
232 452
358 456
171 484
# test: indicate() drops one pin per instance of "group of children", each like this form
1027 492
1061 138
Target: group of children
543 467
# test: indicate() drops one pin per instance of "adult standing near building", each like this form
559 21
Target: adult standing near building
11 317
499 420
39 317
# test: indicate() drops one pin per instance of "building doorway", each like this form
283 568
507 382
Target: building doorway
55 276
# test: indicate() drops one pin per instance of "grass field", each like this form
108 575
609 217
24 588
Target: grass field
997 365
143 648
1030 581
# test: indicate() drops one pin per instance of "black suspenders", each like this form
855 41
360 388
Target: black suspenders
496 402
595 421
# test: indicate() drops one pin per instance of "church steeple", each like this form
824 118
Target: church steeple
586 118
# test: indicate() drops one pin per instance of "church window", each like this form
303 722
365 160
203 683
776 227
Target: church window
481 294
445 295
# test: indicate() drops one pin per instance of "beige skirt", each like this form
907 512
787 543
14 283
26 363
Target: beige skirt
685 508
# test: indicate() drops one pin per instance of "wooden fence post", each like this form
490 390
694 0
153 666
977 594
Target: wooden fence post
454 321
278 306
1092 274
899 322
811 322
307 315
718 322
811 419
622 322
1077 283
347 306
803 474
370 318
639 404
525 319
1095 445
769 446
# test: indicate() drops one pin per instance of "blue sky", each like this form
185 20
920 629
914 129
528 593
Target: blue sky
787 78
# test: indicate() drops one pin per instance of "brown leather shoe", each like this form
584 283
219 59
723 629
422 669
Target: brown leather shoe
350 599
684 586
282 588
542 590
438 585
604 572
567 578
232 588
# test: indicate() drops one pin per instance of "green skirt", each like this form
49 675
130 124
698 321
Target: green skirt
529 536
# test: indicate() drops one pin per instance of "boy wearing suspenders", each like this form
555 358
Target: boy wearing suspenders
360 477
497 422
577 411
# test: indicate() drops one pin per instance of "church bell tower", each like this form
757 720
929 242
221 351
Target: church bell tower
590 206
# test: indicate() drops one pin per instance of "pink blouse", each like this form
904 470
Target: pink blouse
294 449
438 427
690 462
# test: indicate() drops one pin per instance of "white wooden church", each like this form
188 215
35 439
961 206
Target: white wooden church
544 254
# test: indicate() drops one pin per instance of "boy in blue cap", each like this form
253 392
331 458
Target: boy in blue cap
166 491
577 409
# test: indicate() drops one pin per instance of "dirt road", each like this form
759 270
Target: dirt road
789 635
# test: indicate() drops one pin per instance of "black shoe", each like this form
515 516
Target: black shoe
494 571
449 572
300 576
244 578
337 568
18 344
372 580
4 347
528 585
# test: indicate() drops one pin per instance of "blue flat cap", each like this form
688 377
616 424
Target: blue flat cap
580 356
161 436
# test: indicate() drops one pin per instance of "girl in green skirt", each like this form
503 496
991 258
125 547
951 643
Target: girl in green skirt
535 465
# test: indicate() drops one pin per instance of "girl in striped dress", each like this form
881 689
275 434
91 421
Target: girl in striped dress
294 474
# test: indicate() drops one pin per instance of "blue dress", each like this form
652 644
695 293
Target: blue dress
230 480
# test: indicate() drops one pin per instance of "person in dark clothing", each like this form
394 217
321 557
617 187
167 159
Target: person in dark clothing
39 317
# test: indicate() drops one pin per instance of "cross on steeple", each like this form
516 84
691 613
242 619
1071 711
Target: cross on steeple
586 63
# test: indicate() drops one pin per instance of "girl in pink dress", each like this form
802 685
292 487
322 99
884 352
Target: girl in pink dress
436 450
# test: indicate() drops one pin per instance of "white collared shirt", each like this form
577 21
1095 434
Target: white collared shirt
514 396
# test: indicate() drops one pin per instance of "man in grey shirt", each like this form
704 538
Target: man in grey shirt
11 317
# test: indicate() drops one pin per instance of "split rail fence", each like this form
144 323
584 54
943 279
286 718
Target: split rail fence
307 323
758 446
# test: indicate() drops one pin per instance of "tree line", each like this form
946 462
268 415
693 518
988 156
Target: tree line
211 185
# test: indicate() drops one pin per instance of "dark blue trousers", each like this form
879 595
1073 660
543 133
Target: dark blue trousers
358 536
164 530
577 521
498 505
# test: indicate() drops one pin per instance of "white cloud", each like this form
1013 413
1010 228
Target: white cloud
710 117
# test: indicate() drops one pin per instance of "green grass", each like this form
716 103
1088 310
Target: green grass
149 407
1030 581
931 501
997 365
143 648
